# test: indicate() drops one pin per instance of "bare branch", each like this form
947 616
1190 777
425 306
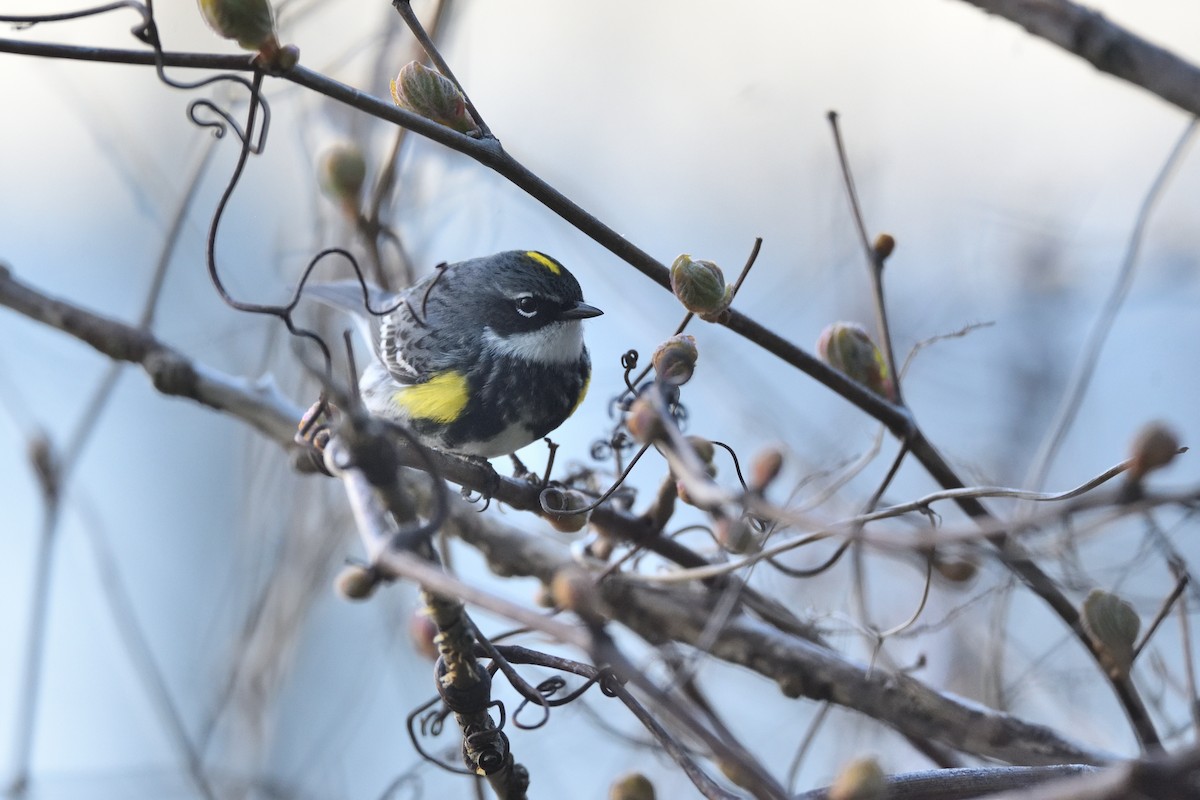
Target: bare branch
801 668
259 404
1106 46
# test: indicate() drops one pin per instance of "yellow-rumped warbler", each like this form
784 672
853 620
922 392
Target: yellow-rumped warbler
479 358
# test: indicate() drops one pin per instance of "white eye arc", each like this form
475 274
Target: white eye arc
526 306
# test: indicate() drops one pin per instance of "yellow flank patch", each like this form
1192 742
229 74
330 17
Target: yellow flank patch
582 394
545 260
442 398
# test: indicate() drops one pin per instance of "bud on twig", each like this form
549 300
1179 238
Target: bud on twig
700 286
1113 625
634 786
432 95
735 535
250 23
559 503
356 582
422 632
765 468
956 569
675 359
1155 446
705 451
573 589
342 172
861 779
643 422
883 247
848 348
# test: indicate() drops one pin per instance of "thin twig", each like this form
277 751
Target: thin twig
1180 584
874 260
1081 379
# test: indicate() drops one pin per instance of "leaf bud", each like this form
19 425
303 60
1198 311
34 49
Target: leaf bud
848 348
735 535
1154 446
765 468
432 95
955 569
342 172
574 589
706 451
356 582
700 286
884 245
284 58
1113 624
634 786
675 359
422 632
861 779
643 422
250 23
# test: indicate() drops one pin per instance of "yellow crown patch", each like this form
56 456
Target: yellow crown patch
545 260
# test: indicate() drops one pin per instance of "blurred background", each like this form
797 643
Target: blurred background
190 584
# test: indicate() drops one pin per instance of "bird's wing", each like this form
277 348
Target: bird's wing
377 329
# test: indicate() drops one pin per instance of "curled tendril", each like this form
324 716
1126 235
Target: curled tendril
610 683
432 723
546 690
226 121
600 450
629 362
24 22
552 686
546 509
491 746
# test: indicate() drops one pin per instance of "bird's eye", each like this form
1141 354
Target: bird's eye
527 307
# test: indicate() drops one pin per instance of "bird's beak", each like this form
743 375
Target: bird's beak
580 310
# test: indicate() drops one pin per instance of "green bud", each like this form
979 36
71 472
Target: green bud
700 286
1113 624
848 348
634 786
432 95
675 359
342 172
250 23
284 58
861 779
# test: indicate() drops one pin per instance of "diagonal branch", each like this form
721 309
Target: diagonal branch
1106 46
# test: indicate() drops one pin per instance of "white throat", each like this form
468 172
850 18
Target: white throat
557 343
